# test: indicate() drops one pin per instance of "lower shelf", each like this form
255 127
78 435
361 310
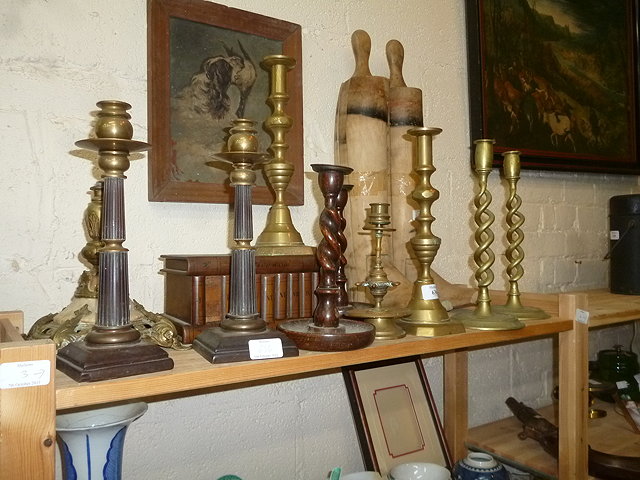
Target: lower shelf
610 434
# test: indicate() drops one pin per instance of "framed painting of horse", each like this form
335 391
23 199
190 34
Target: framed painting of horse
204 70
556 80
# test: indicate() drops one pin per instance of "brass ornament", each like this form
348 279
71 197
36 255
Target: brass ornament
382 318
483 317
515 237
279 236
428 318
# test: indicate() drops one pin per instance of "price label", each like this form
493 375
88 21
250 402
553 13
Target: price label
582 316
24 374
263 348
429 292
614 235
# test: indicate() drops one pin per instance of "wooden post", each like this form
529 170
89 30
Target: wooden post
456 401
27 414
573 373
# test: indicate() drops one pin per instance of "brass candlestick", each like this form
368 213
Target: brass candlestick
233 340
484 317
112 348
383 319
279 236
77 319
428 318
326 331
515 237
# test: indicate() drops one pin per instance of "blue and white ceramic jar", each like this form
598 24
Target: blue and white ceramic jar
91 442
479 466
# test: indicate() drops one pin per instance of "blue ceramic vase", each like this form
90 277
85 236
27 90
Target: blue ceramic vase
91 442
479 466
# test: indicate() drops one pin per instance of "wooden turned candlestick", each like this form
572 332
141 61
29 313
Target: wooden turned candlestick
326 331
343 296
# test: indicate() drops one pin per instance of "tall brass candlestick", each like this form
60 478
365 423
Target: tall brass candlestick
483 317
279 236
383 319
428 317
515 237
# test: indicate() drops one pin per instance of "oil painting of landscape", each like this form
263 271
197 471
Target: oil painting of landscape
556 80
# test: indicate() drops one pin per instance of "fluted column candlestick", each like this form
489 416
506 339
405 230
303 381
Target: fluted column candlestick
242 331
483 317
427 316
279 237
95 358
515 237
326 331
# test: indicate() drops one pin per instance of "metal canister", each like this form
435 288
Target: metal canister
624 244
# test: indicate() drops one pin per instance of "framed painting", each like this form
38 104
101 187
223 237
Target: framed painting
556 80
394 414
204 62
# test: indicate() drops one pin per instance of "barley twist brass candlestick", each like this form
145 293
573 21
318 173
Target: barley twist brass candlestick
279 236
484 317
383 319
232 341
428 318
112 349
326 331
341 278
515 237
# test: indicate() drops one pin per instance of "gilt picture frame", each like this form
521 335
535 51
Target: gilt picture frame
557 81
204 71
395 415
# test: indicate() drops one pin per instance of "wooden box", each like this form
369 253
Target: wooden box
196 293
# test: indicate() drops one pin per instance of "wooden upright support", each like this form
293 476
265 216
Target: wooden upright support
27 413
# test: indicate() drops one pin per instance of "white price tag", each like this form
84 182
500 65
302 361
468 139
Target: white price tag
429 292
614 235
582 316
25 374
263 348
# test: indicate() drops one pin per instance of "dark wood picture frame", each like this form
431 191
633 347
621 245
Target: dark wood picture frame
203 71
409 431
559 85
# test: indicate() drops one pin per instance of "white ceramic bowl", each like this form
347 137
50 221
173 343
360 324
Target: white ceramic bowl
361 476
419 471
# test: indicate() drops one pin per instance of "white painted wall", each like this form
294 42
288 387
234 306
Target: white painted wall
59 58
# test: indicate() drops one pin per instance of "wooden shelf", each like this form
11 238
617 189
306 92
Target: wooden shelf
192 372
610 434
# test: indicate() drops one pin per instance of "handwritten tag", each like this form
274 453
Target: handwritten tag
429 292
263 348
582 316
24 374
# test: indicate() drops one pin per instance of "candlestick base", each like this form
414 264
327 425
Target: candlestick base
217 345
383 320
85 362
431 329
490 320
522 312
348 335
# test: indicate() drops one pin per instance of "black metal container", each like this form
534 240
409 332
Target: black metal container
624 244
